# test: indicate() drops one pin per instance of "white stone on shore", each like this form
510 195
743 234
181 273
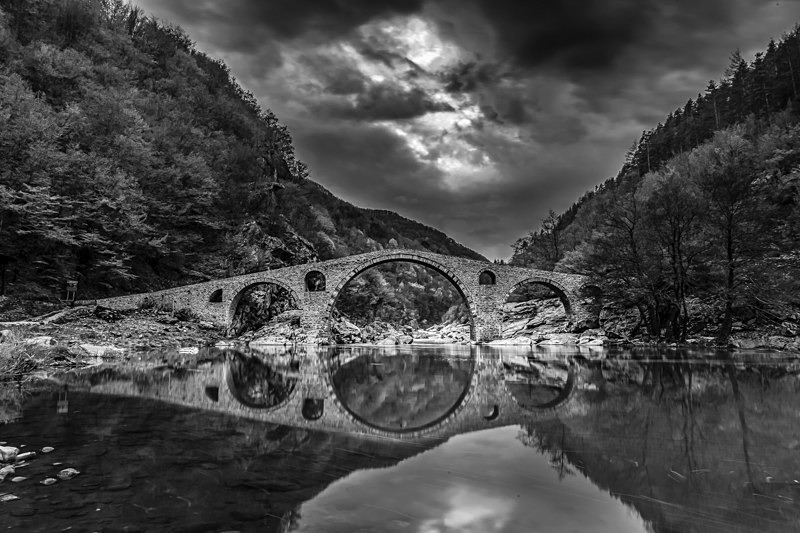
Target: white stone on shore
100 350
520 340
6 471
41 340
67 473
8 453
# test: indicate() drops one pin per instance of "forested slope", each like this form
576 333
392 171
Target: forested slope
700 230
129 161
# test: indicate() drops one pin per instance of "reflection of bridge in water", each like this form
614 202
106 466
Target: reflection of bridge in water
300 384
690 445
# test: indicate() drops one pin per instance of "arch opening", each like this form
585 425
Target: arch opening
215 297
260 304
400 300
491 412
539 384
261 384
313 408
315 281
212 393
487 277
536 309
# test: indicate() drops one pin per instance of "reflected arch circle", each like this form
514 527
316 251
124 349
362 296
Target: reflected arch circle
451 276
561 398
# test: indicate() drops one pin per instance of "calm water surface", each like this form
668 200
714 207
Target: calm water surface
411 439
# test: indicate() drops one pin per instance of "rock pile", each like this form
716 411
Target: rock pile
12 460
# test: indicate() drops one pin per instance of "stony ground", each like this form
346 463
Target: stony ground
85 335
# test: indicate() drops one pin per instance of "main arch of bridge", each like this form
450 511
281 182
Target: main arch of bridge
216 301
448 274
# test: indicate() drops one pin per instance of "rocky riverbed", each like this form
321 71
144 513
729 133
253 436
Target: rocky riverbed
86 335
18 466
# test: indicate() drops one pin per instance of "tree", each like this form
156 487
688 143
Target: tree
733 191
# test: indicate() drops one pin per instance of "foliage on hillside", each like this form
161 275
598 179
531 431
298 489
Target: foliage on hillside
132 161
707 206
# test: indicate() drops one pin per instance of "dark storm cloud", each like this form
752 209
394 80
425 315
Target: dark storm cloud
576 36
292 18
285 19
368 165
567 84
570 33
467 77
385 101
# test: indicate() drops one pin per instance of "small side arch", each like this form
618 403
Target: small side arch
215 297
315 281
561 291
313 408
487 277
491 412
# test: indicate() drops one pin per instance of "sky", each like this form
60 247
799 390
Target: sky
513 490
473 116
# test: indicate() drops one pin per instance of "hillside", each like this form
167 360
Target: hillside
132 161
700 230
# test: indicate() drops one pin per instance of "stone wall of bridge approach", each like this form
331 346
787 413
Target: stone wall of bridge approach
484 286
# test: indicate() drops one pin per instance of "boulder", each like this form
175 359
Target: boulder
67 473
6 471
5 334
405 339
520 340
99 350
558 338
389 341
8 453
41 340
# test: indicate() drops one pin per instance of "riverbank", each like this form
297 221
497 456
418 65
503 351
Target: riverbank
82 336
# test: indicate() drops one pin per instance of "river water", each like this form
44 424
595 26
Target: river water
411 439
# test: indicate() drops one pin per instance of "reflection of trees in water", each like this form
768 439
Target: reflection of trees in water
12 395
690 447
402 392
259 384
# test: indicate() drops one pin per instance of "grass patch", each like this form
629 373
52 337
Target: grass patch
16 358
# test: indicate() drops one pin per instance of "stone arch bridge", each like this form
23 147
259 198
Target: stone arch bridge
314 287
